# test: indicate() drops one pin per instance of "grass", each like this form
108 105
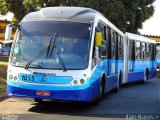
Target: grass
3 74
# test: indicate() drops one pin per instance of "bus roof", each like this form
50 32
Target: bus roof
139 38
76 14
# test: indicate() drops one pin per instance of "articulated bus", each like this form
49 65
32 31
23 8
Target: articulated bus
73 54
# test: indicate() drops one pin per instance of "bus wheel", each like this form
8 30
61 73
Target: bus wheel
102 87
145 77
38 100
95 102
101 92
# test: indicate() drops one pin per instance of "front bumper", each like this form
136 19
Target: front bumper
68 95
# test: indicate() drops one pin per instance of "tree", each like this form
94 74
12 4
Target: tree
137 11
127 15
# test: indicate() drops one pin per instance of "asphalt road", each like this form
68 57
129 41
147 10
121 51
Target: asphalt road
133 101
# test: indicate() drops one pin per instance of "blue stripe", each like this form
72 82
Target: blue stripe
71 95
44 79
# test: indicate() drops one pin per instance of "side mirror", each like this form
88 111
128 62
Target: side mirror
103 51
8 32
98 38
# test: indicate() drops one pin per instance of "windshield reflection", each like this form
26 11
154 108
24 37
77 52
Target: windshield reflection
72 43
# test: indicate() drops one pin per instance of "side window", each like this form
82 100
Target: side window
143 51
108 42
138 49
147 52
113 45
102 27
120 47
131 50
152 51
155 51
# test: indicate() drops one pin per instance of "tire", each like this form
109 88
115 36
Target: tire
38 100
145 77
95 102
101 93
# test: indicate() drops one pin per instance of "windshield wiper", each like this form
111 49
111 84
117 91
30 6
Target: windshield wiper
38 56
49 49
51 46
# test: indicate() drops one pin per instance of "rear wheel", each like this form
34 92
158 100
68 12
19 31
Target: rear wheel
145 77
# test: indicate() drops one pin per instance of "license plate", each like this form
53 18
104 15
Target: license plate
42 93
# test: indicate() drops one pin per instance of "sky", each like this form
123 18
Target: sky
150 26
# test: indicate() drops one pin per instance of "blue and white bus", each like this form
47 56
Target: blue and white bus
71 54
141 58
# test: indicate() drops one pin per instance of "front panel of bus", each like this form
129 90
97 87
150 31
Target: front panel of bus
50 59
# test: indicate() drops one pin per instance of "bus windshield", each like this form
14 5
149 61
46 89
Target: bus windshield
33 46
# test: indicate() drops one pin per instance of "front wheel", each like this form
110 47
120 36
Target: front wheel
101 93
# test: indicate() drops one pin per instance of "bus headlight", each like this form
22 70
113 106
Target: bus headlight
75 82
82 81
78 82
11 77
15 78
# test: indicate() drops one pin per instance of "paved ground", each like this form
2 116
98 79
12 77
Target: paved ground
136 100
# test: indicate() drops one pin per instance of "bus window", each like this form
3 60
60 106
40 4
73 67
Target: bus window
131 50
116 47
142 51
152 50
113 45
138 55
147 53
109 42
102 28
120 48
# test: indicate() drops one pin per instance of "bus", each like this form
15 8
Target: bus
141 58
68 54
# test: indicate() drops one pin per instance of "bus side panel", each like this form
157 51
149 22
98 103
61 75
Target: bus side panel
110 83
152 70
138 71
135 76
151 73
111 78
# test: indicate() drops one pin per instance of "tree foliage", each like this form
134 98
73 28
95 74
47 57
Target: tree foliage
127 15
